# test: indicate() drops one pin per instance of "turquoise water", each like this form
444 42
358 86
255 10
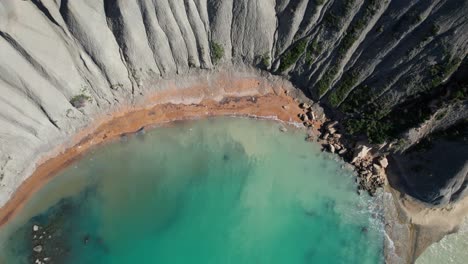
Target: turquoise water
223 190
451 249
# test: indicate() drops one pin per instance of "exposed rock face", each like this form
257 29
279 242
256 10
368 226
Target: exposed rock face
436 172
61 61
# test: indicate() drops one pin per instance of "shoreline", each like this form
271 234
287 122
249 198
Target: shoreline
277 105
241 94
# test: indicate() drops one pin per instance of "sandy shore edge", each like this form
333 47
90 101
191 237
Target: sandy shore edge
247 97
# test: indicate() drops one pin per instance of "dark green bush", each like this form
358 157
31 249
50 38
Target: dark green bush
217 52
292 55
327 79
79 101
348 81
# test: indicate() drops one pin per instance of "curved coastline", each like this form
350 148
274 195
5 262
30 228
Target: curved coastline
250 96
247 93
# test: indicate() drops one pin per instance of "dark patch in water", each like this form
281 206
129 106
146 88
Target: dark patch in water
225 157
364 229
56 226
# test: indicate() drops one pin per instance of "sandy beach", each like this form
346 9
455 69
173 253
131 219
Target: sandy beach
247 97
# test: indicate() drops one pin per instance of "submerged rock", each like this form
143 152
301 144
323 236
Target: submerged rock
37 249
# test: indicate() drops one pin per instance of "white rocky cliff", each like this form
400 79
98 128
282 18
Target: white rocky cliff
63 61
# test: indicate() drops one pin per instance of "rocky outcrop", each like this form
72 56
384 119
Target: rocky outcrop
63 62
435 170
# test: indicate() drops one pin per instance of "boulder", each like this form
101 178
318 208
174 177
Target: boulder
360 152
331 148
303 117
35 228
304 105
383 162
325 136
37 249
332 124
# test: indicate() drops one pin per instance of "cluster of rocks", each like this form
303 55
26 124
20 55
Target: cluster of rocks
39 237
308 115
371 170
333 140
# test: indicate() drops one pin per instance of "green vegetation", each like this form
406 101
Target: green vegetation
313 50
217 52
461 93
458 132
439 72
327 79
348 40
332 20
356 99
266 60
377 131
320 2
79 101
380 29
292 55
408 20
435 29
348 81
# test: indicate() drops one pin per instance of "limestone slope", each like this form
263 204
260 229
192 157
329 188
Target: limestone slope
64 61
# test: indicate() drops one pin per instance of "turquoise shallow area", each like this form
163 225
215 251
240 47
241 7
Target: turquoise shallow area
223 190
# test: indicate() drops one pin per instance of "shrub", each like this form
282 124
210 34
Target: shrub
349 80
319 2
326 79
441 71
377 131
266 60
292 55
217 52
79 101
313 50
435 29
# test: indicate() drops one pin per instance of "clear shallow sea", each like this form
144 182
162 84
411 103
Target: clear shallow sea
223 190
451 249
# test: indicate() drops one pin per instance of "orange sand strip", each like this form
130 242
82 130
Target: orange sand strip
267 105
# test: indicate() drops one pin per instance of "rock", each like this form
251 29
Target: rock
120 44
283 129
376 167
37 249
332 130
303 117
310 115
304 105
383 162
285 107
360 153
337 136
332 124
343 151
35 228
325 136
331 148
46 259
